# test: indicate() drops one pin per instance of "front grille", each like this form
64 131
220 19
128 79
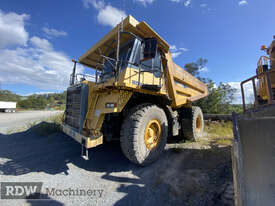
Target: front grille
76 106
73 106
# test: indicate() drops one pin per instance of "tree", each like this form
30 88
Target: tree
219 100
6 95
35 101
195 68
51 100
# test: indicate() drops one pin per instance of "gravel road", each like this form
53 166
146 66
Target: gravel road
10 121
192 175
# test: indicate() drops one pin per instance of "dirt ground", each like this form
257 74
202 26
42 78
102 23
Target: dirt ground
192 174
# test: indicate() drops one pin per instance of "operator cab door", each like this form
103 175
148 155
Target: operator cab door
153 65
148 59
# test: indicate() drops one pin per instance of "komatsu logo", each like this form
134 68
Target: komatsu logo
20 190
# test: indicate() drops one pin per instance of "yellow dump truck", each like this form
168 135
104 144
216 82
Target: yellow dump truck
138 95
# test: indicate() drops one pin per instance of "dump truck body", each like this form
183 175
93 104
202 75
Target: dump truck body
133 67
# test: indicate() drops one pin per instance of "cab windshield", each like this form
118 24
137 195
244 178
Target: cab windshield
129 56
110 63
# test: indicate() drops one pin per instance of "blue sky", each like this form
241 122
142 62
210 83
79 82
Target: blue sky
38 39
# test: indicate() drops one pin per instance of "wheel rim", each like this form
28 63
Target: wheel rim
152 134
198 124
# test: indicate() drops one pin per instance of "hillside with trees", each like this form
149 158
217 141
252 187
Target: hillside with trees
36 101
6 95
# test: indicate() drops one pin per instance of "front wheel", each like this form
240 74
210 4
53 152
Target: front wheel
144 134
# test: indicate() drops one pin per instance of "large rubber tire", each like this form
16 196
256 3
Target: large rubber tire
132 139
193 124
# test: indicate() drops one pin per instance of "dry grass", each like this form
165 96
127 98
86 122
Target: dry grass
44 127
216 134
49 126
219 129
219 133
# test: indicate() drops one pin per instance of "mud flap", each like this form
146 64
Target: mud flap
253 158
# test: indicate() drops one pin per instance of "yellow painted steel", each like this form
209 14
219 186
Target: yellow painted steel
152 134
183 88
264 60
98 99
90 141
131 79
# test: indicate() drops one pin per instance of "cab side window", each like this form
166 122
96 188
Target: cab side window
153 65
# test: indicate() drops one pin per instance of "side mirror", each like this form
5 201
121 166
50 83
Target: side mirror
149 49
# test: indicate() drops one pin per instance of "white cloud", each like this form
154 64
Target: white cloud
176 1
248 90
176 52
203 5
39 43
53 32
243 2
37 65
203 69
98 4
110 16
107 14
31 61
173 47
12 30
187 3
145 2
183 49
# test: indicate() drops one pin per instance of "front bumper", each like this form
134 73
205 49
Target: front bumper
88 142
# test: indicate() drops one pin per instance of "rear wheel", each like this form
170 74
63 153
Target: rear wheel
144 134
193 124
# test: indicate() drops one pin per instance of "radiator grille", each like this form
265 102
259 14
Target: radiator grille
73 106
